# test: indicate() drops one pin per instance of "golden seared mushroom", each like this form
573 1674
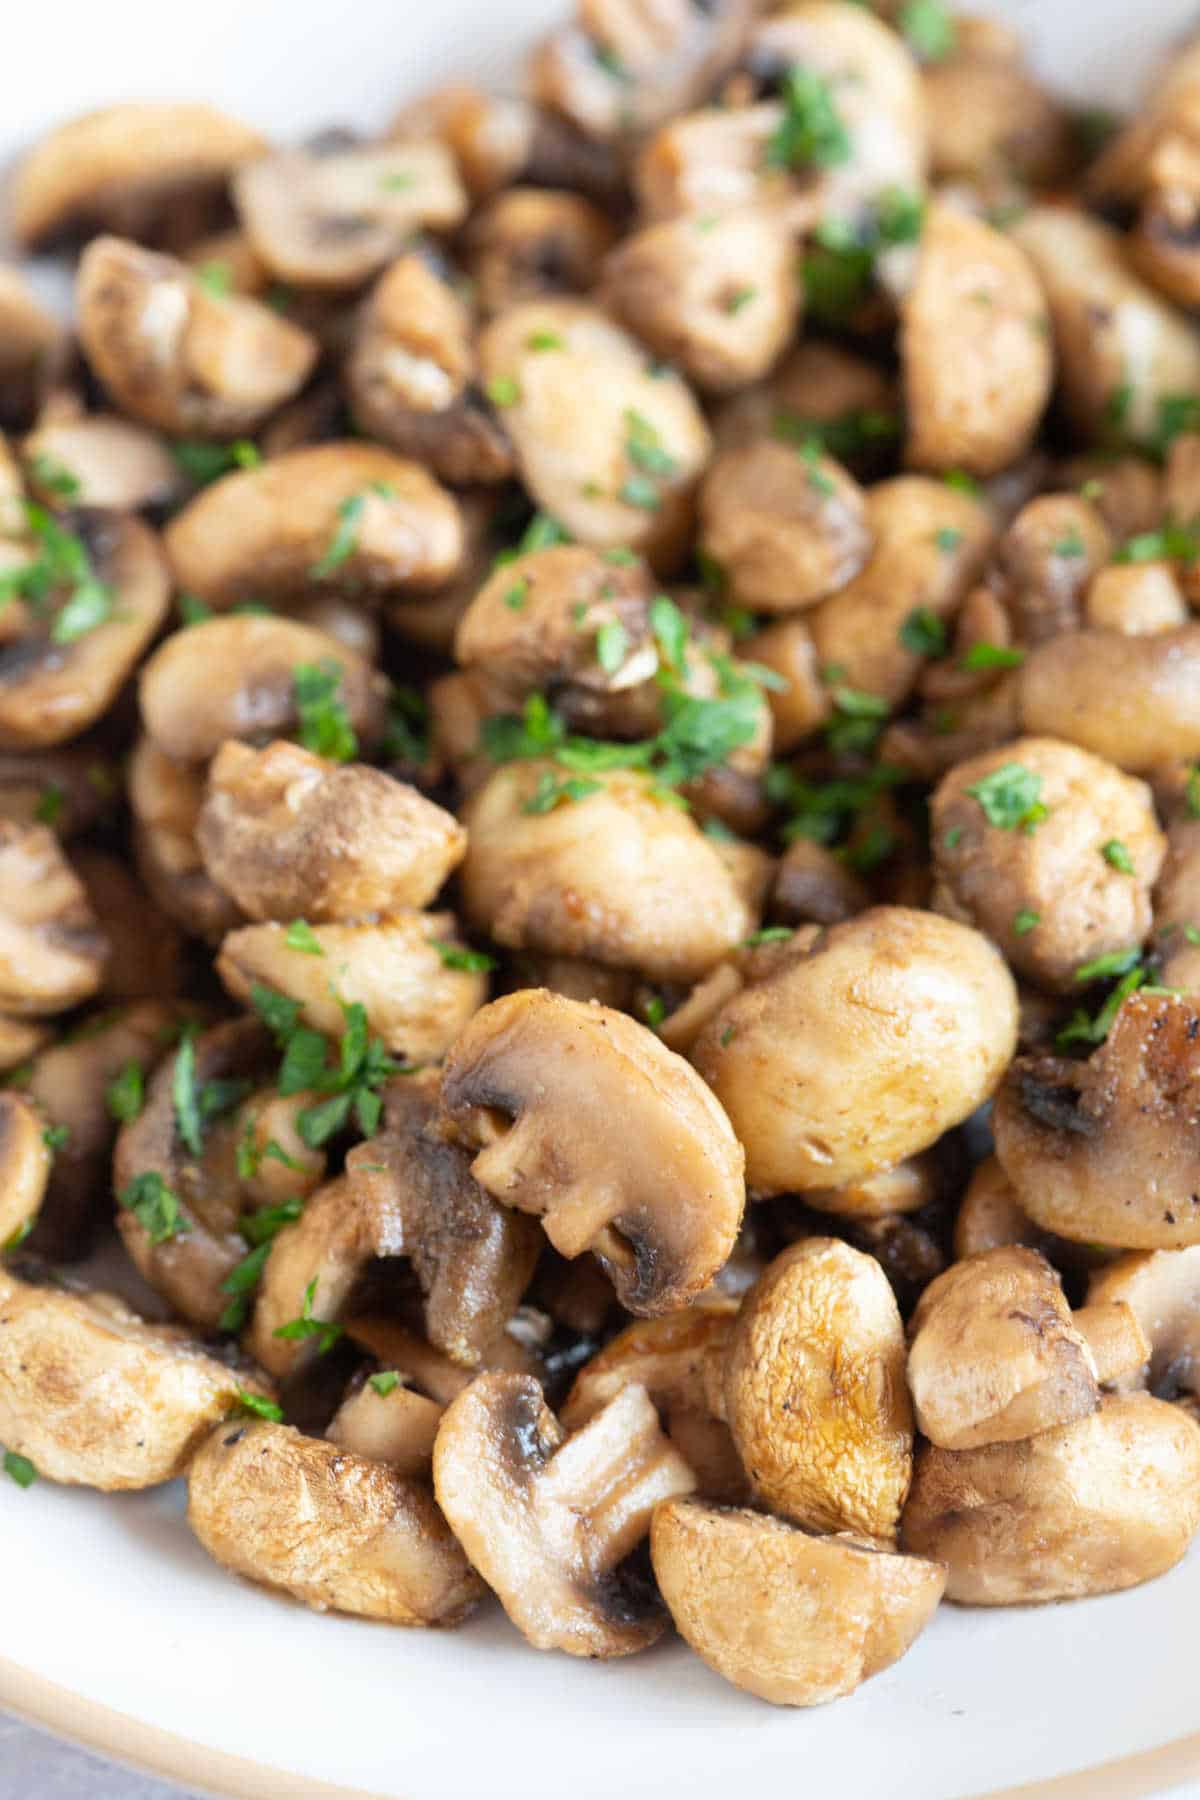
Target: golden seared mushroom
1049 850
331 216
601 869
31 343
822 391
410 377
252 676
991 1216
349 515
794 1618
529 243
165 798
1162 1290
1135 598
990 120
930 541
786 525
995 1354
52 951
815 1393
337 1531
177 356
801 705
1132 700
1177 906
1090 1508
145 948
25 1163
386 1420
1047 560
1120 348
716 294
291 835
62 667
472 1259
1101 1151
975 347
548 1519
620 472
861 1050
95 1397
101 460
127 168
275 1165
916 1182
531 1086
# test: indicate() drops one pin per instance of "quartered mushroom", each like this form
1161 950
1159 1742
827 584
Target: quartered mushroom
786 525
165 798
1162 1290
531 1086
104 461
548 1519
1133 700
52 951
528 243
387 1420
25 1163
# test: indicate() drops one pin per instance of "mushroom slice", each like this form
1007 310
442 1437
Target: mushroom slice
25 1162
95 1397
815 1392
995 1354
165 798
331 218
348 514
370 1542
237 677
177 356
621 473
787 528
1162 1290
614 876
67 669
548 1519
861 1050
410 373
104 461
126 167
31 344
1102 1151
405 969
291 835
52 951
529 243
793 1618
473 1259
975 346
1090 1508
531 1085
1133 700
387 1421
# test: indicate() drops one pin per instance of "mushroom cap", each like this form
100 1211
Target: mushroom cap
533 1085
335 1531
1162 1289
793 1618
1133 700
24 1165
52 951
119 466
397 1427
165 798
1095 1506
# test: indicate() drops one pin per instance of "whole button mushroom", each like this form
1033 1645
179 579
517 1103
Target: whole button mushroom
116 465
861 1051
548 1519
794 1618
1095 1506
1048 560
815 1391
533 1086
1133 700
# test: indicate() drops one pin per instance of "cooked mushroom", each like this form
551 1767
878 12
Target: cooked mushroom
336 1531
1162 1290
144 947
786 526
548 1519
31 344
802 704
165 798
291 835
95 1397
52 952
102 460
1095 1506
794 1618
813 885
1177 907
332 216
861 1050
499 139
1132 700
25 1162
1125 489
989 119
387 1421
352 514
531 1085
177 356
815 1392
1047 558
1072 886
916 1182
529 243
1135 598
824 392
314 1265
990 1216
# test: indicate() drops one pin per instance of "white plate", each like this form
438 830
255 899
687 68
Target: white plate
114 1626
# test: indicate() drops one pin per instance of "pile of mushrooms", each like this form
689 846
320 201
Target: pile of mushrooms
600 838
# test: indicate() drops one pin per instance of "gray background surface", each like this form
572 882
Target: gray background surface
34 1766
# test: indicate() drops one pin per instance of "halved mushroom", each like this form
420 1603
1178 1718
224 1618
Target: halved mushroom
52 951
1133 700
531 1085
31 344
794 1618
25 1162
95 1397
862 1049
332 215
62 667
336 1531
549 1519
386 1420
410 376
975 347
1101 1151
127 168
177 356
622 472
1135 598
815 1392
291 835
1090 1508
529 243
787 527
1162 1290
236 678
1047 559
991 1216
165 798
104 461
352 514
802 704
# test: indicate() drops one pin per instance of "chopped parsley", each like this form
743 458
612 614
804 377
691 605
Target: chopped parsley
1010 798
1117 856
644 448
344 541
739 299
517 595
923 632
670 631
1103 968
326 1331
325 726
215 277
385 1382
953 838
184 1095
61 563
838 267
1025 920
257 1406
406 739
19 1469
157 1209
50 803
858 716
457 956
56 1137
811 133
1170 543
260 1229
655 1011
351 1080
612 646
545 340
929 29
1070 544
125 1094
503 390
301 936
53 477
769 934
1082 1028
728 1035
203 462
553 790
845 436
991 656
948 537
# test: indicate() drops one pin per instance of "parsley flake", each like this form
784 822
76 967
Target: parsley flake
612 646
19 1469
503 390
457 956
991 656
811 133
385 1382
923 632
1117 856
301 936
1010 797
256 1406
326 1331
324 723
125 1094
1025 920
155 1207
